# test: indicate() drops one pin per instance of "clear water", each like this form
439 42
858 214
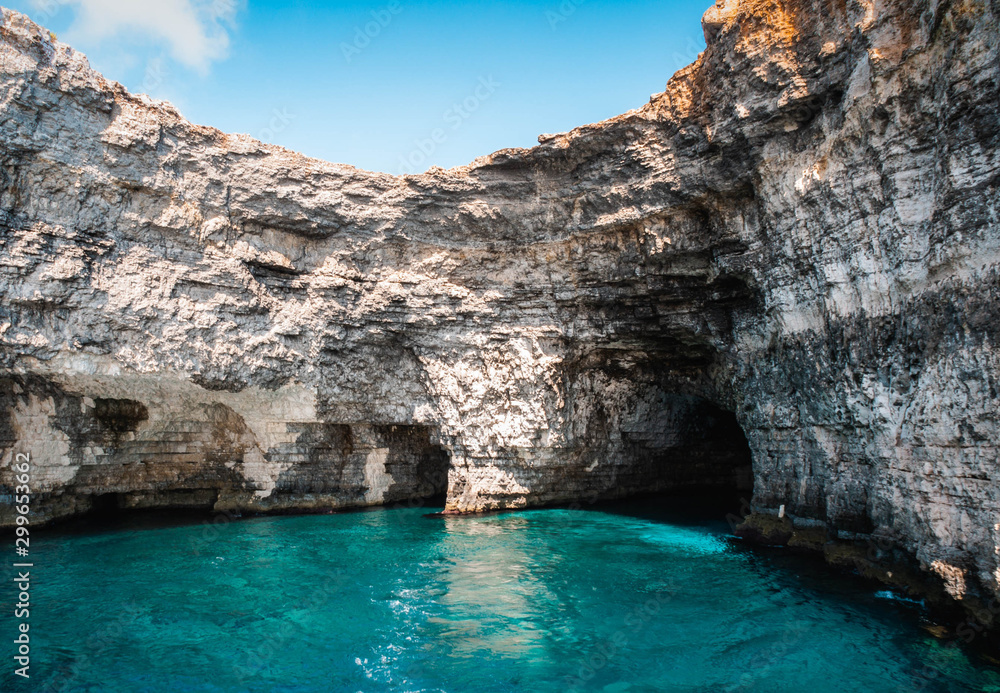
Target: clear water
392 600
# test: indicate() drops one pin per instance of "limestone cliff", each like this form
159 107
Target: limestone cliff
797 241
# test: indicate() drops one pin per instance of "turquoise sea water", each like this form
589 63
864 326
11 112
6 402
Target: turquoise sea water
617 599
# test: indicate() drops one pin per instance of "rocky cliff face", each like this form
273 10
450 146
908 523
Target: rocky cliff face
790 256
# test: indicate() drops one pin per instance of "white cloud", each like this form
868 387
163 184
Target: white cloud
194 30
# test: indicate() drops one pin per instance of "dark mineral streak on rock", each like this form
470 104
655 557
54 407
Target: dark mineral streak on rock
787 259
119 415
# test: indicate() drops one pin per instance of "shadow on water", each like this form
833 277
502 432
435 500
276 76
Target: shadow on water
804 572
697 508
104 520
108 518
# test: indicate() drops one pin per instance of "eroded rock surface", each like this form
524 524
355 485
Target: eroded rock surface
797 241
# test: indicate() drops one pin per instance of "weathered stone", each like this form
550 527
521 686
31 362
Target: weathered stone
762 528
799 238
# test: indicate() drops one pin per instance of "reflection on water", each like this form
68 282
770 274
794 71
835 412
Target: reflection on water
495 600
637 597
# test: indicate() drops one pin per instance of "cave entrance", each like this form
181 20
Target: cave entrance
419 466
687 463
105 506
703 448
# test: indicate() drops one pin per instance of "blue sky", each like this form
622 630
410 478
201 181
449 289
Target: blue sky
388 85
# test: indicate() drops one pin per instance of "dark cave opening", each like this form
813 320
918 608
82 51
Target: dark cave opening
105 506
726 448
419 466
695 467
704 448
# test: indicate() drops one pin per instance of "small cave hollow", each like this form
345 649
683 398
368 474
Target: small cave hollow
419 467
704 448
105 506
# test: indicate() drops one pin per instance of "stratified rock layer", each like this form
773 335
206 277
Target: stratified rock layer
798 240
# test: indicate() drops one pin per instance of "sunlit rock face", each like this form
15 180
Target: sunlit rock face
797 242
